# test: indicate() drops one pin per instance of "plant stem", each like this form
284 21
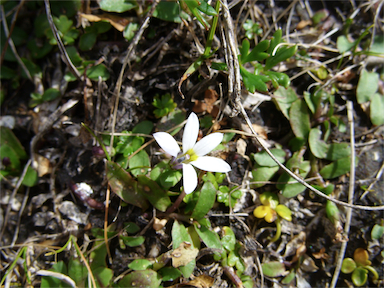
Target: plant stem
211 33
177 203
278 230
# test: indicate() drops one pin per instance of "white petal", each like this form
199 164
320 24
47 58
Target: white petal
167 143
211 164
208 143
189 178
191 130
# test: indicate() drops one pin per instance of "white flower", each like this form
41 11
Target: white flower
193 153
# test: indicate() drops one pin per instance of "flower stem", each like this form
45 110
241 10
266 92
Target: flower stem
278 230
177 203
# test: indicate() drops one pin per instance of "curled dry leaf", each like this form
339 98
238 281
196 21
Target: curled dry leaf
159 224
118 22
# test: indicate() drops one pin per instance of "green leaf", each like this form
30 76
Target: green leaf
67 7
205 201
263 159
169 11
273 269
146 278
131 227
169 273
263 174
253 82
343 45
77 271
378 44
233 258
140 160
348 266
157 171
74 56
51 94
257 53
7 73
367 86
169 178
377 231
102 26
102 275
133 241
336 168
318 147
284 99
124 186
87 40
206 8
210 238
276 39
244 49
295 163
94 72
8 138
38 50
326 190
63 24
117 5
284 212
49 281
153 192
359 276
299 119
278 78
332 211
229 239
30 178
337 151
144 127
41 25
33 69
180 235
376 109
129 30
282 54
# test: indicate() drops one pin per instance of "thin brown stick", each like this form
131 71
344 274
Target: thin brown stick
234 79
18 184
350 196
60 44
12 45
119 82
10 30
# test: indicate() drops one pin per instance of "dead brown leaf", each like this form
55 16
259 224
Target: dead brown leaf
118 22
184 254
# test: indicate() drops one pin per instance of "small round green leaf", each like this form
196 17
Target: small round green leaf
359 276
367 86
377 231
348 265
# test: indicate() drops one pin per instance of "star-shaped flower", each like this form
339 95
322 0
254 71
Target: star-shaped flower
193 153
